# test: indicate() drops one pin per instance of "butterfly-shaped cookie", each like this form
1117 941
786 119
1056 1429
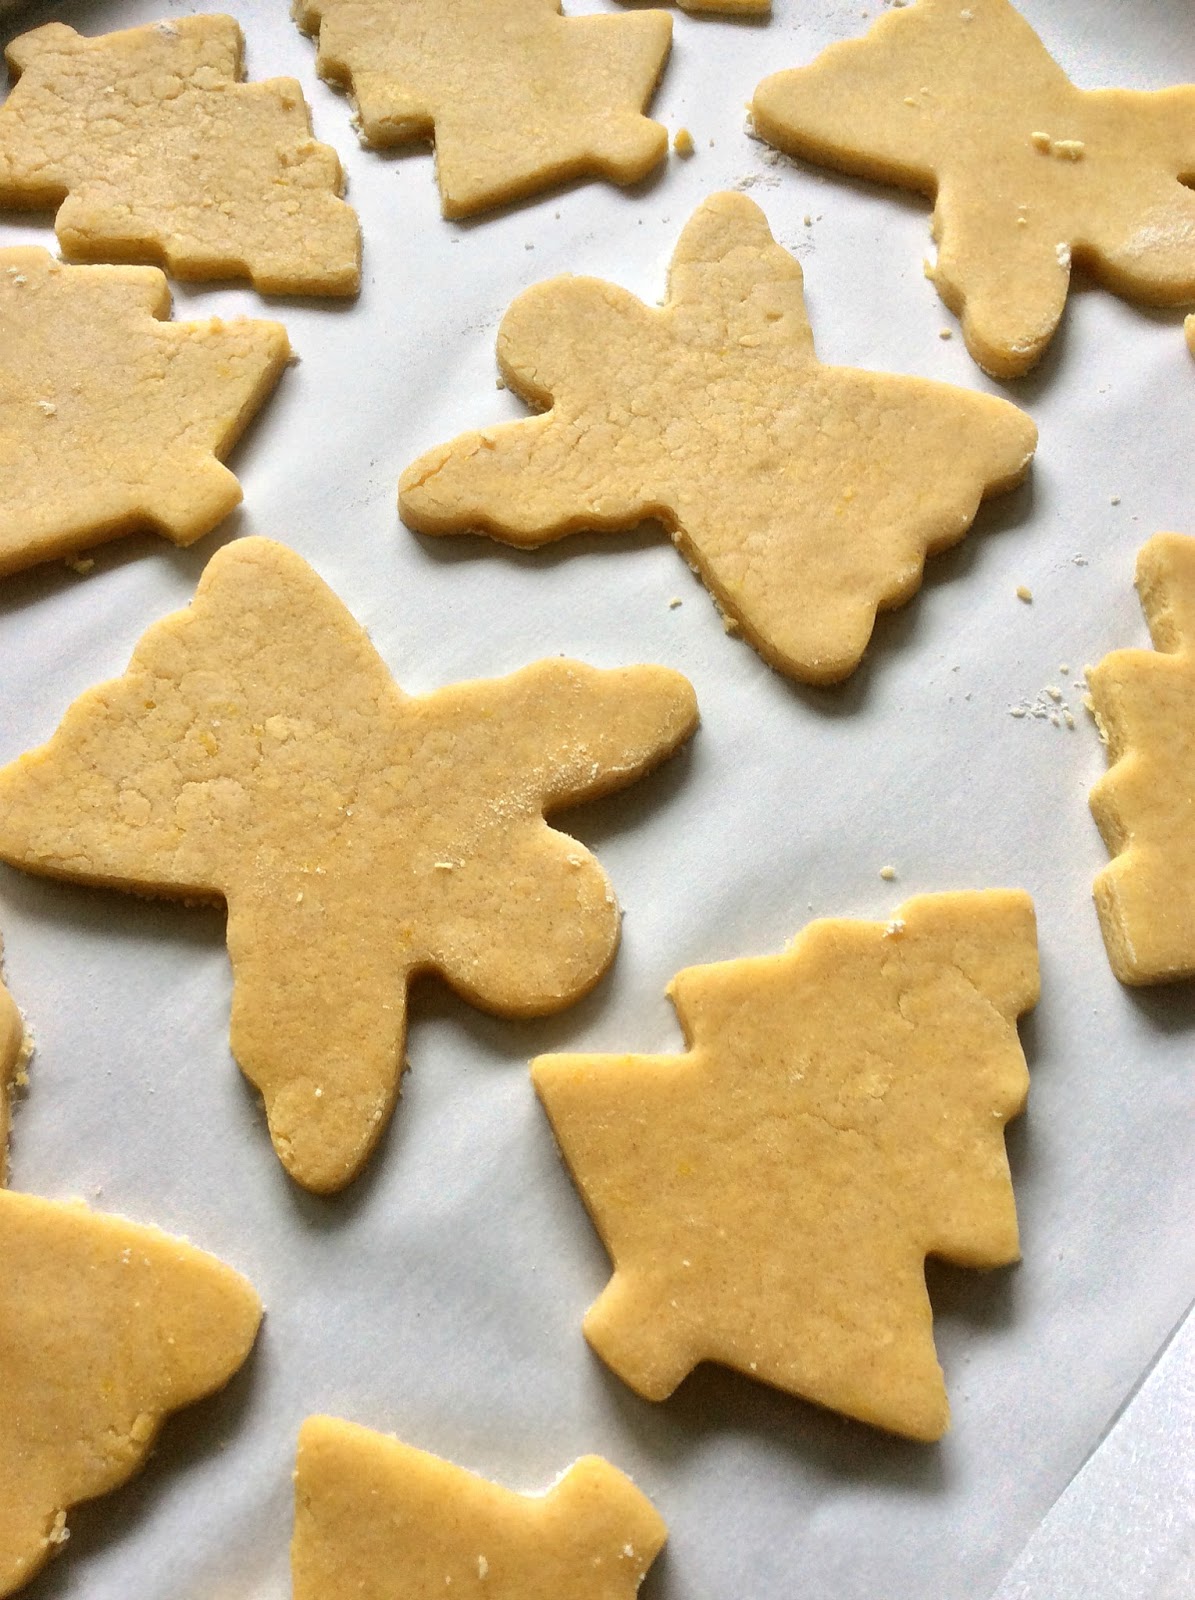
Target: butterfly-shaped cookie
258 752
805 496
959 99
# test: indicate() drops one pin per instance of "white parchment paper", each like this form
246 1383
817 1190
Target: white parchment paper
441 1297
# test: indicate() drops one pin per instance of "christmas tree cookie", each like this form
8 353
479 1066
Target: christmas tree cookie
112 418
1144 701
153 149
257 752
105 1328
1028 172
805 496
375 1518
518 96
769 1198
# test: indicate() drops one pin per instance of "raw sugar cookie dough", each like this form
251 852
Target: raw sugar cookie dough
518 96
769 1197
1029 173
15 1050
258 752
151 148
1144 703
375 1518
105 1328
805 496
112 418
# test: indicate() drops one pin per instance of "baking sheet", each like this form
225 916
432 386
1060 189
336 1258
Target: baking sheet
441 1297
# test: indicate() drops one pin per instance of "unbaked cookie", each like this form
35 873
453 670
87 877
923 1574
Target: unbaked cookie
519 97
805 496
153 149
1144 701
960 100
375 1519
105 1328
769 1198
14 1052
111 417
258 752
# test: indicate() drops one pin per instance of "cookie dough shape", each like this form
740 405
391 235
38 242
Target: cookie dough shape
1029 173
768 1198
805 497
14 1053
375 1519
258 752
152 148
1144 702
112 418
519 96
105 1328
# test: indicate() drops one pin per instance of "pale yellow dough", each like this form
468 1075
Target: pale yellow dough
960 100
14 1052
768 1198
258 751
153 150
112 418
519 97
1145 804
805 496
376 1519
105 1328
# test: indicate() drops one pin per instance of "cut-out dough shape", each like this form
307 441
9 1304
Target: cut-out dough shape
105 1328
257 751
519 96
152 148
1144 806
111 417
768 1199
805 496
14 1052
375 1519
963 103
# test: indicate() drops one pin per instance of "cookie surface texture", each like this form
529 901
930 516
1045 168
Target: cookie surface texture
14 1052
963 102
519 96
258 751
112 418
1145 704
153 149
768 1198
375 1518
805 496
105 1328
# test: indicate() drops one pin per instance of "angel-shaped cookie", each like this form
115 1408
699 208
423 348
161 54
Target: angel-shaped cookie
769 1198
519 96
105 1328
376 1519
805 496
1144 805
111 417
1028 172
152 149
258 752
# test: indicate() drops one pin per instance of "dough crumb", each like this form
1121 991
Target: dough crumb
1115 499
1068 149
945 333
80 564
1024 594
674 602
682 142
888 873
895 928
1039 140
